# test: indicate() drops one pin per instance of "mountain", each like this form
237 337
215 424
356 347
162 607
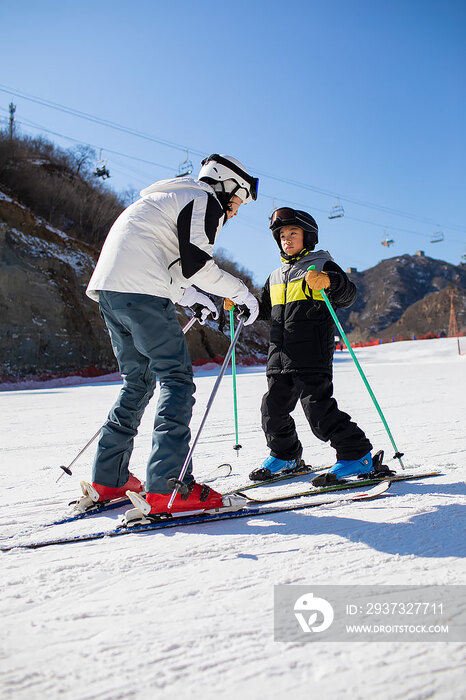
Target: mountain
406 296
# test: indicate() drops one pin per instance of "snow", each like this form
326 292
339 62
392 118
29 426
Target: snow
4 197
38 247
189 613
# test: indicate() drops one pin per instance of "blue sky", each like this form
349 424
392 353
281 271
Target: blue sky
357 99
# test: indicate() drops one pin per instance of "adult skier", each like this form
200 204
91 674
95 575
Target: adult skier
157 253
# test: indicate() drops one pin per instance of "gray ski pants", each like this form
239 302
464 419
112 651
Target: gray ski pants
147 341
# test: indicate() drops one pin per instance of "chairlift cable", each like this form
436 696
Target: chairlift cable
113 125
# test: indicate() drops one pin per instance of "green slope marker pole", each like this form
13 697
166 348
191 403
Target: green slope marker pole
233 372
398 455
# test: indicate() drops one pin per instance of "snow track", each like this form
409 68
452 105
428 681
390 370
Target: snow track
189 613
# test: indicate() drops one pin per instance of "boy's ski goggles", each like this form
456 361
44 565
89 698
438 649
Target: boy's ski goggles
285 216
282 215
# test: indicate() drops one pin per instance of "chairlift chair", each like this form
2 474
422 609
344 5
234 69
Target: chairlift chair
387 242
185 167
336 211
101 170
437 237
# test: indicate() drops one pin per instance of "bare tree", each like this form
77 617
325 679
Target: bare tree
81 156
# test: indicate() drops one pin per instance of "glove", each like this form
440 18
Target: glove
249 300
228 304
191 297
317 280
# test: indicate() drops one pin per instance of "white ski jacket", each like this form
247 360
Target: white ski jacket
162 244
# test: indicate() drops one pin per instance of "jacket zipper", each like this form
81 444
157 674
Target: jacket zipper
284 307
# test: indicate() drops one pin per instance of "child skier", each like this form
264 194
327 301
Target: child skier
299 364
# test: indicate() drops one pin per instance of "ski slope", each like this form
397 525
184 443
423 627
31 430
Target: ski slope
189 613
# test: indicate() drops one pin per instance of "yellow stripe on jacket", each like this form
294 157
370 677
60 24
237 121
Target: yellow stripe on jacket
294 292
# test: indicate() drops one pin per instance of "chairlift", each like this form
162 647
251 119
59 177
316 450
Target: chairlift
185 167
336 211
387 242
437 237
101 169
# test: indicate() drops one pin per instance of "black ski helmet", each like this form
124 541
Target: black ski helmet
285 216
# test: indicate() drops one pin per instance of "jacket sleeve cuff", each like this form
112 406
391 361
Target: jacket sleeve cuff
337 282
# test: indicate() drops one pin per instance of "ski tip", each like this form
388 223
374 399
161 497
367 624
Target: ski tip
377 490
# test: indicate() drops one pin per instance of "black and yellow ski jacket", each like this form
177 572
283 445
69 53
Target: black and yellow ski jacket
302 334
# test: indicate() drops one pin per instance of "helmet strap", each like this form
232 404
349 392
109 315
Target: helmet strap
293 258
223 197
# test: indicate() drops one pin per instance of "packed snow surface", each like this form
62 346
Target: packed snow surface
188 613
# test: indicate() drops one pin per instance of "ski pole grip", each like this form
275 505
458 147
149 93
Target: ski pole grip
311 267
321 291
244 313
197 308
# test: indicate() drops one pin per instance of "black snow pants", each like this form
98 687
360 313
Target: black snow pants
328 423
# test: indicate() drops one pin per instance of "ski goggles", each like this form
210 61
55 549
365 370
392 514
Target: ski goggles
285 216
282 215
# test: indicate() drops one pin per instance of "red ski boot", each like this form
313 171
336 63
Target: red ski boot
97 493
190 500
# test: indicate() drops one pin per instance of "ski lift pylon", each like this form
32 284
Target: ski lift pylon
185 167
336 211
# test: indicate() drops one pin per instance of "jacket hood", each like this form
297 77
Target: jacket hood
176 183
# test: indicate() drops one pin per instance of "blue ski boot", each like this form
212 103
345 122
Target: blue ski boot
342 468
351 467
272 466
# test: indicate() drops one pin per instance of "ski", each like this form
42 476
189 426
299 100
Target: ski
362 483
180 521
226 468
304 471
220 472
101 507
104 506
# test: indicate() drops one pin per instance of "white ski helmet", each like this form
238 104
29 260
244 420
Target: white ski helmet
228 177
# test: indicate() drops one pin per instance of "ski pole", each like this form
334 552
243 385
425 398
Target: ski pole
398 455
67 469
179 481
233 372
